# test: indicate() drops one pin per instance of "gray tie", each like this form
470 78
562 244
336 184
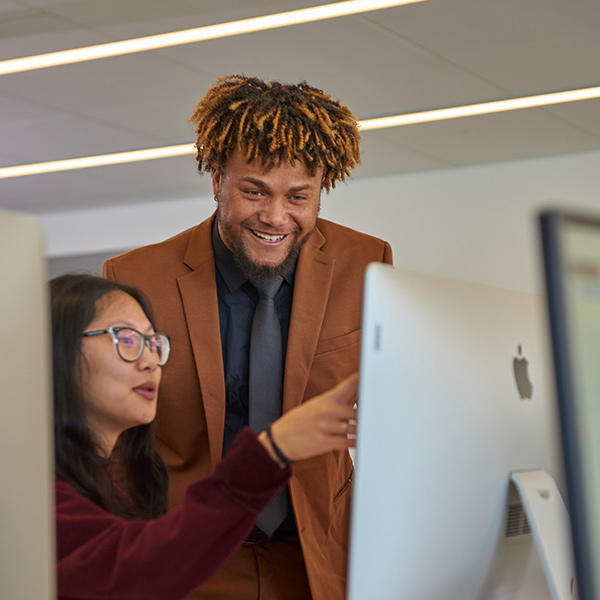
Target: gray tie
265 382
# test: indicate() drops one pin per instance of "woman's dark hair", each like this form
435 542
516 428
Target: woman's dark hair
139 469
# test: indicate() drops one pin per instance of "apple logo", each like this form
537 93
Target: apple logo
524 384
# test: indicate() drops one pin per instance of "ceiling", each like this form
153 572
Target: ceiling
434 54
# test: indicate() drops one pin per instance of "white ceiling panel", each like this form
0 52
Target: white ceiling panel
459 28
526 47
55 192
497 137
433 54
67 136
395 76
17 111
547 67
101 84
584 115
134 183
10 8
383 156
122 20
25 32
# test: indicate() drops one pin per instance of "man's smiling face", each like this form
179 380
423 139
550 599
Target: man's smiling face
264 216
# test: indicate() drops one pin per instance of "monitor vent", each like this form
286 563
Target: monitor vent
516 521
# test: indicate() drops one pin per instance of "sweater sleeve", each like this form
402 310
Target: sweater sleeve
102 556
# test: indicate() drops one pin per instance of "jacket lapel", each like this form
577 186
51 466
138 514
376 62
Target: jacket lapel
312 283
199 296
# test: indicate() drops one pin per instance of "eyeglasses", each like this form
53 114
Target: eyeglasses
129 343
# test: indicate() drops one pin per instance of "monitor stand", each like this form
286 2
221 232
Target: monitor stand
551 530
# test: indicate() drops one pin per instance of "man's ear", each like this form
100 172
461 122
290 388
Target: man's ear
216 182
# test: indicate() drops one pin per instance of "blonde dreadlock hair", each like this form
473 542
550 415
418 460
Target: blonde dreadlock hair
276 122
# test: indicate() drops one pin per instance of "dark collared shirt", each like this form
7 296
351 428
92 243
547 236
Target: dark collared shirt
237 299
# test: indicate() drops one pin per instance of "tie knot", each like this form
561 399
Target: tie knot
267 288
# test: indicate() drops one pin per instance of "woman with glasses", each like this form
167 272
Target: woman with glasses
114 539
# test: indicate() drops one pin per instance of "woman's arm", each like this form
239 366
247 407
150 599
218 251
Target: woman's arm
101 556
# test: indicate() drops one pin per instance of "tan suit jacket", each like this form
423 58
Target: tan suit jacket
178 275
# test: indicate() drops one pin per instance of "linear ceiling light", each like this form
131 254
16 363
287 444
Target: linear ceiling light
481 109
102 160
366 125
188 36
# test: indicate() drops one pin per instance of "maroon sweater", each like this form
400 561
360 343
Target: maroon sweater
102 556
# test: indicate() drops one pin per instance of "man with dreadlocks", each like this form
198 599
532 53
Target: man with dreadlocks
270 149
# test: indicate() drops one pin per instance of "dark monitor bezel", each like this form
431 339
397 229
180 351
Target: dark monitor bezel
552 223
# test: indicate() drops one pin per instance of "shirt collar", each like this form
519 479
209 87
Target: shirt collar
234 277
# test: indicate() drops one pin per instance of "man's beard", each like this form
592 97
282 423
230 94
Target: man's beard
256 272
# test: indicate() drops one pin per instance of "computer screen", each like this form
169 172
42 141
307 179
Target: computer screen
572 261
26 466
456 394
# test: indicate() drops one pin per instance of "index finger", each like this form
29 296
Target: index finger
345 391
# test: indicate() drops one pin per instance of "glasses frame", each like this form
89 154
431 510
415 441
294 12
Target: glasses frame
147 339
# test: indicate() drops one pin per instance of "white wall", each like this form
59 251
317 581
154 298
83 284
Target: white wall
475 223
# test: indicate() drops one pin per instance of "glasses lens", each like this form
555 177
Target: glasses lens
129 344
159 343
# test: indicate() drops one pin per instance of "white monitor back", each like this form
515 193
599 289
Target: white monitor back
441 426
26 465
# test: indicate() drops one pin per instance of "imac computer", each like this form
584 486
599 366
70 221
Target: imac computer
26 455
571 245
459 474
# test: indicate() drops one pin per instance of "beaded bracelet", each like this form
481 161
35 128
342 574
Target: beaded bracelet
280 455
